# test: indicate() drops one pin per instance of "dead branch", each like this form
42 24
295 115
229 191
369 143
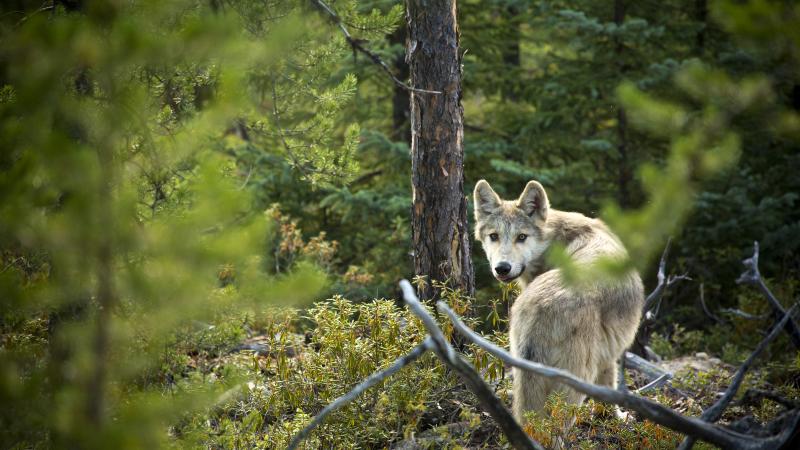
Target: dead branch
743 315
707 311
357 45
714 412
652 303
656 377
655 384
649 409
370 381
516 436
752 275
648 369
664 281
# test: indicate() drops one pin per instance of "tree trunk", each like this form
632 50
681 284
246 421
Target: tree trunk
511 55
701 15
440 235
400 97
623 165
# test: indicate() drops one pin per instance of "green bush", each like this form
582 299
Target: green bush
297 375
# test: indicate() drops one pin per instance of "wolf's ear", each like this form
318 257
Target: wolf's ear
486 200
534 200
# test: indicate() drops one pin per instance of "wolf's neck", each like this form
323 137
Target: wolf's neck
564 228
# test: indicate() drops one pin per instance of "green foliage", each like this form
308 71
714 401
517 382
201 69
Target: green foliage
348 342
168 168
128 153
680 342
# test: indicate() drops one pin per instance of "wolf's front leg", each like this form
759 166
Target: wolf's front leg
530 393
607 376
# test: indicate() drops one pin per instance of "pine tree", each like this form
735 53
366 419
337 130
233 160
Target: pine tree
440 235
135 136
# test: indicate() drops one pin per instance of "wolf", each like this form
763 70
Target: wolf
582 328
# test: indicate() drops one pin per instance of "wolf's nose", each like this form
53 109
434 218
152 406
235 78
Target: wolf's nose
503 268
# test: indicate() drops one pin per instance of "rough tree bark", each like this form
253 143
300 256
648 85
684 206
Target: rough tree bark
440 234
624 174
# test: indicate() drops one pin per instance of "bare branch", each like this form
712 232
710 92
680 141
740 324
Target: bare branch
412 301
714 412
650 370
654 375
708 312
654 296
655 384
753 276
516 436
743 315
356 44
672 279
649 409
370 381
664 281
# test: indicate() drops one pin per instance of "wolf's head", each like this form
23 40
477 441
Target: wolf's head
512 232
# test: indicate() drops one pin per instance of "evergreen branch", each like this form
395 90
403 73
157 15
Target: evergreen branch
370 381
357 45
278 127
295 160
649 409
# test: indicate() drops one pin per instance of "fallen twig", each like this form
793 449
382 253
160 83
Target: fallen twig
648 369
714 412
655 384
649 409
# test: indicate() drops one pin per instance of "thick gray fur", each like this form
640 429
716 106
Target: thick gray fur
583 328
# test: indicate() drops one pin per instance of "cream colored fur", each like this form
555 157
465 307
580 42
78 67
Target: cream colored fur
583 329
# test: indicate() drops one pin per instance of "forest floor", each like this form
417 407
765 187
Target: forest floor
455 420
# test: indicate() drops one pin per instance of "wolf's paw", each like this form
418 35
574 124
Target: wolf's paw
621 415
607 411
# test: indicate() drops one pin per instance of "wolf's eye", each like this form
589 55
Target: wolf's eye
494 237
522 237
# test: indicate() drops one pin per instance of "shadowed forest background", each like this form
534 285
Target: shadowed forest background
205 205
